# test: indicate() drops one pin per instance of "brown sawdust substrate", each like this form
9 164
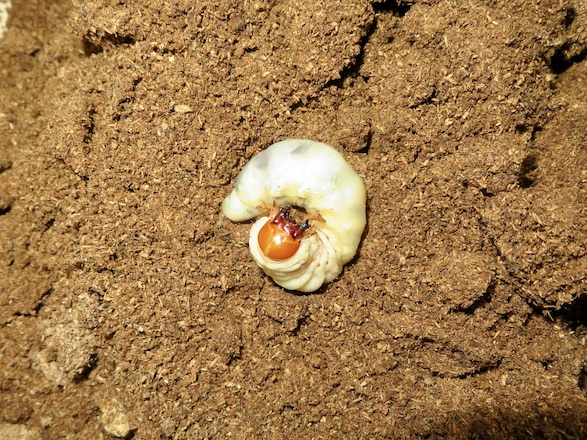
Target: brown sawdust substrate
129 307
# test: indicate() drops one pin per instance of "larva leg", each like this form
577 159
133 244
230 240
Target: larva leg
314 216
268 209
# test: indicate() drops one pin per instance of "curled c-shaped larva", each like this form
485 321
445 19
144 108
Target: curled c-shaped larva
309 175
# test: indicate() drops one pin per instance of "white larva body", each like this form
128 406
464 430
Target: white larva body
314 176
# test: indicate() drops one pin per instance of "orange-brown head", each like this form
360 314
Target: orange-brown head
280 237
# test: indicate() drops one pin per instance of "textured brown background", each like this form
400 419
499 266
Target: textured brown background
130 307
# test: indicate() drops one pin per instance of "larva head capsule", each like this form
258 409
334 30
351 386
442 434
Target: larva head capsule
280 236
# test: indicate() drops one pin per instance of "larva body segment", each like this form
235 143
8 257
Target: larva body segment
310 175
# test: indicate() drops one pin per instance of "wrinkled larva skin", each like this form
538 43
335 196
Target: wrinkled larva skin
313 176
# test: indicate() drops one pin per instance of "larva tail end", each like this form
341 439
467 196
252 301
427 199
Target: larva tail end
236 210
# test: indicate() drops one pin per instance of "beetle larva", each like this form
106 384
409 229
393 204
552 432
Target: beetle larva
312 176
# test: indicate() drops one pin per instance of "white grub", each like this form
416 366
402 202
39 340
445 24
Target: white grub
309 175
